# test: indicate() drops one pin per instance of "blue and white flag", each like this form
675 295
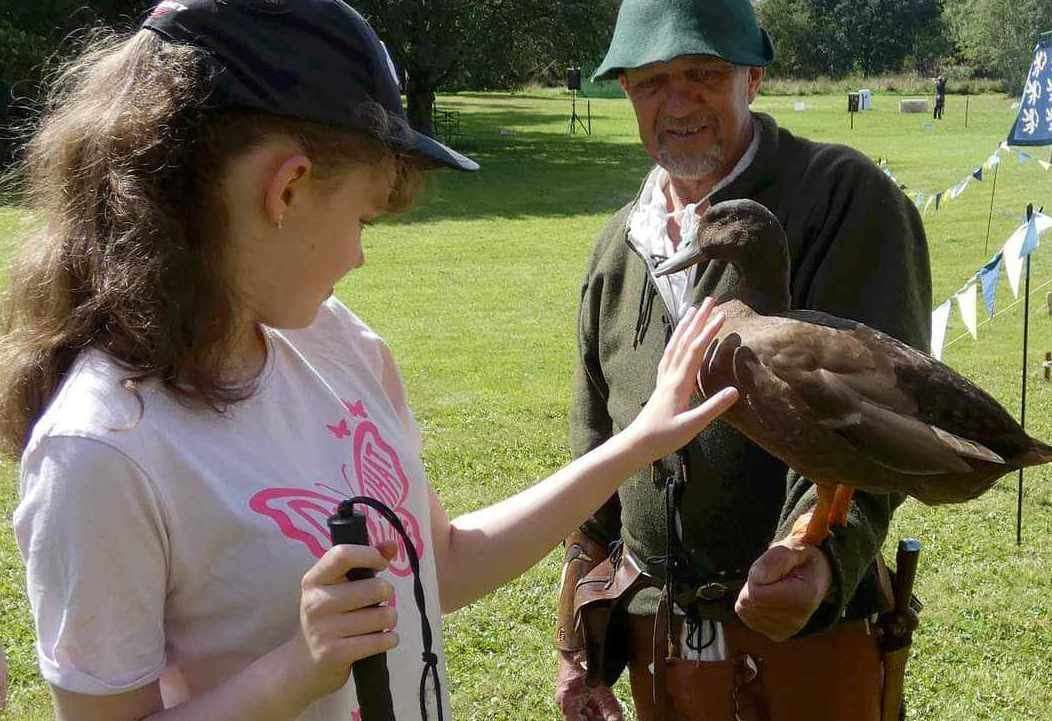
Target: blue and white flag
989 275
1033 125
1030 239
1025 235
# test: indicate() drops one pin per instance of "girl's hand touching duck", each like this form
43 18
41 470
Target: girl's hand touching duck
668 422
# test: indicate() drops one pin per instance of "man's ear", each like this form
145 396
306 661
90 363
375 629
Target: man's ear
755 79
623 81
282 187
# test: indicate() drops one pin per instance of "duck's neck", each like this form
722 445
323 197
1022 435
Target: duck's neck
760 277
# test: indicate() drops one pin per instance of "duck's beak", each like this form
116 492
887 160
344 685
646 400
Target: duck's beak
684 258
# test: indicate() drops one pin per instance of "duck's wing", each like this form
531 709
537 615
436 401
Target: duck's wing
841 384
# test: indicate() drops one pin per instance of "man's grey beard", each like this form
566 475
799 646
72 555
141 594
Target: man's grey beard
691 167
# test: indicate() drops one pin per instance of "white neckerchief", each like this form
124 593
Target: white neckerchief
648 225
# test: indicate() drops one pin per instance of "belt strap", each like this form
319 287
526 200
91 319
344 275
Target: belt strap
659 690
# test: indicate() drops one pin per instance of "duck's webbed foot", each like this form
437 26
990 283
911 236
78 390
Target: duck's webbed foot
811 529
841 505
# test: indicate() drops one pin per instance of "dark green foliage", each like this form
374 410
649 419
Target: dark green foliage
34 37
486 44
997 37
838 37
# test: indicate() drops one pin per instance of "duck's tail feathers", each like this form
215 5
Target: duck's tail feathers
1038 454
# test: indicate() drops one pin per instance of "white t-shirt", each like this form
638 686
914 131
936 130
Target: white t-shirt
163 541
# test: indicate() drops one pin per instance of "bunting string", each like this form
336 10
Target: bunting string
1021 244
925 200
1001 312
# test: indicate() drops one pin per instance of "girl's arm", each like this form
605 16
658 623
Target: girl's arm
482 550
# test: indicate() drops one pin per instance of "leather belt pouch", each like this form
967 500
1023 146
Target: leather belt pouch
600 612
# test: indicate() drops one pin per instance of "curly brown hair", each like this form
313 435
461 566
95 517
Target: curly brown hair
128 251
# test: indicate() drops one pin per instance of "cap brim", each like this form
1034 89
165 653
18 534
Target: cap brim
431 150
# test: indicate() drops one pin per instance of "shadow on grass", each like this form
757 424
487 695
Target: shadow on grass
532 167
534 175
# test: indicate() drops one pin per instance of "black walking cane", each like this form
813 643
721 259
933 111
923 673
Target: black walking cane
372 683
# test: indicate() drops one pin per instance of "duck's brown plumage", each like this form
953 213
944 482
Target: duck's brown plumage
841 403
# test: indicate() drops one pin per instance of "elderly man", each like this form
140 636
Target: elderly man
729 616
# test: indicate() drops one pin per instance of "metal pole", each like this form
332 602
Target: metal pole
990 219
1022 412
966 99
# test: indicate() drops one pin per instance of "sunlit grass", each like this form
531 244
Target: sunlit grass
476 292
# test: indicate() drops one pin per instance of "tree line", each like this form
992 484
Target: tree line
502 44
977 38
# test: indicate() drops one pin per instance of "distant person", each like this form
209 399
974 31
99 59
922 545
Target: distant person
940 97
710 526
190 401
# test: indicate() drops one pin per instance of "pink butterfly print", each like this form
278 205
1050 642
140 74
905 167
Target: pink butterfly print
356 409
340 430
301 514
380 473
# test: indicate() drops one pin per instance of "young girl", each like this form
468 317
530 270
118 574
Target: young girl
190 403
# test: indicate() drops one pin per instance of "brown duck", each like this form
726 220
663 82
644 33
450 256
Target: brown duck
845 405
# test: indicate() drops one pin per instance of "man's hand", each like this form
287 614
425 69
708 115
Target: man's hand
785 586
576 700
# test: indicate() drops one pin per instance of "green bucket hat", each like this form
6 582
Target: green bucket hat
656 31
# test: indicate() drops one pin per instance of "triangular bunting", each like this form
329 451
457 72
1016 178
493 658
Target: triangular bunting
989 275
1026 235
1030 241
938 199
978 174
1045 164
992 161
966 304
939 318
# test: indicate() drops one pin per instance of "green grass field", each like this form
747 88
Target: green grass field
476 289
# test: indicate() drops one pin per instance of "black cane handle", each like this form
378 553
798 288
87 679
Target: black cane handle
372 682
906 572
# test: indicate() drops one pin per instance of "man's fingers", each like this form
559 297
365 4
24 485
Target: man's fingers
775 564
610 707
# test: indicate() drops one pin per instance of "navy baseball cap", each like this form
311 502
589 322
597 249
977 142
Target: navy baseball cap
316 60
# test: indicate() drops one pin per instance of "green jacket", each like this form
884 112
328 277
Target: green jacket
858 250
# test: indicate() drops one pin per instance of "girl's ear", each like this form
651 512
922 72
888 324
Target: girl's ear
283 186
